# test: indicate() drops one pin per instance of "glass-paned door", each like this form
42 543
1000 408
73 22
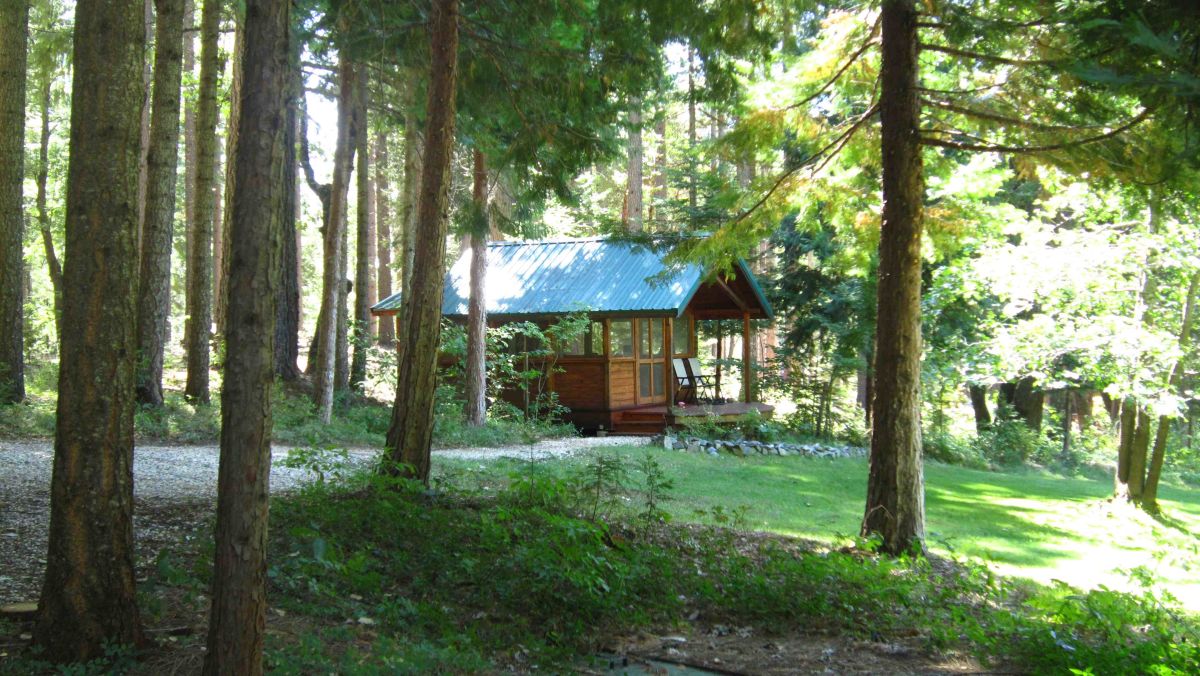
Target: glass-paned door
651 361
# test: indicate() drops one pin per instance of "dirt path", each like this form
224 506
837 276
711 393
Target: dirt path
173 487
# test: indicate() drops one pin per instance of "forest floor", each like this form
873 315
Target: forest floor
173 487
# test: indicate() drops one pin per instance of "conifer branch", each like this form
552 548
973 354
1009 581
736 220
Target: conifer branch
1000 148
870 41
1004 119
993 58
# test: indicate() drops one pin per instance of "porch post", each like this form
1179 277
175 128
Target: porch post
747 361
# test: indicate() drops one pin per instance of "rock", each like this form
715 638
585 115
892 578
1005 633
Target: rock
693 447
680 446
667 441
712 451
744 449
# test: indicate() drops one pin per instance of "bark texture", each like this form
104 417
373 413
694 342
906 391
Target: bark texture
14 37
383 214
237 624
222 221
364 253
412 188
88 596
199 293
476 370
334 237
895 509
633 201
411 430
154 285
287 314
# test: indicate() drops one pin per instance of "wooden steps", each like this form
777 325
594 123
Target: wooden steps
639 422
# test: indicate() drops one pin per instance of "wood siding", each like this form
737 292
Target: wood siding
622 384
580 385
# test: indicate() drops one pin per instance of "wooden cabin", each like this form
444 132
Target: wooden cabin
620 375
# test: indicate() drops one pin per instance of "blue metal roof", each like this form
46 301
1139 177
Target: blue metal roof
560 276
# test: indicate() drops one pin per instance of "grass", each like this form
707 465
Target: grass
1023 524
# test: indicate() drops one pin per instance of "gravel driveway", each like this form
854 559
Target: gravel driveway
173 487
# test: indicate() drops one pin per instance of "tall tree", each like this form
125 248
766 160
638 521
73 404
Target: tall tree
14 37
222 219
383 217
633 200
410 433
88 597
895 509
364 255
287 318
333 286
237 625
154 287
43 211
476 368
199 292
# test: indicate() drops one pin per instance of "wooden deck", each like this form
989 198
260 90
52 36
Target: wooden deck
644 420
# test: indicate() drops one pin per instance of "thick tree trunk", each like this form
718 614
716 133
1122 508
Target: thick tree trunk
364 254
154 285
221 228
333 286
895 509
1125 441
88 598
979 404
412 189
411 431
14 36
287 315
476 371
43 212
237 623
387 333
147 80
634 187
1137 457
1174 381
199 292
341 367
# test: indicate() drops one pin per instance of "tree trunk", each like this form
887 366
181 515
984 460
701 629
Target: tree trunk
189 148
199 292
364 272
341 367
412 189
237 623
221 237
634 188
895 509
411 431
1137 457
324 193
387 333
143 152
660 167
88 598
43 213
476 375
691 100
1125 442
332 279
154 285
287 315
14 37
979 404
1174 381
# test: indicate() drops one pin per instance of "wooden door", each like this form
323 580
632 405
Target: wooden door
651 361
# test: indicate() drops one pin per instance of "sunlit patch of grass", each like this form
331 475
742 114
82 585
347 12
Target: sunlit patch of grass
1023 524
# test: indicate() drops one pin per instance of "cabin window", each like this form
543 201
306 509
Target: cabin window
650 338
681 335
620 341
590 343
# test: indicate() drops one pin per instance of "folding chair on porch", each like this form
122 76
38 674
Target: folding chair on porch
685 385
700 381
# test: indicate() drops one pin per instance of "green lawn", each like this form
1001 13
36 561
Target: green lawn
1025 524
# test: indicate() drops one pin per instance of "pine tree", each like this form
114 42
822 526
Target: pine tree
14 35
